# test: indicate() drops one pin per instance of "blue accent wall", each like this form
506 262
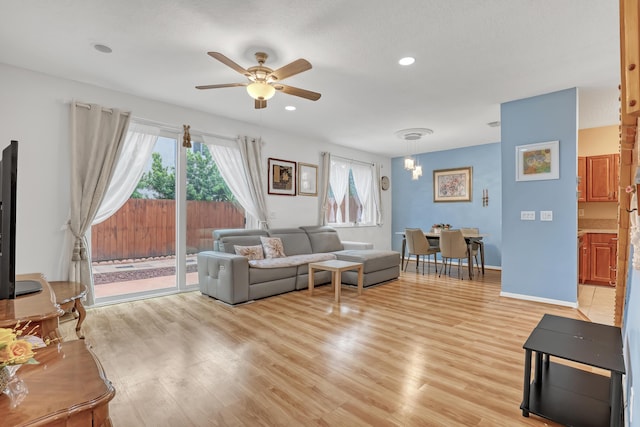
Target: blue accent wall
539 259
412 201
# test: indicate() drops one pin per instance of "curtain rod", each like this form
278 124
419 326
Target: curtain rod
106 110
176 129
162 126
353 160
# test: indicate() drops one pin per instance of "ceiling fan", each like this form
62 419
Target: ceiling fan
263 82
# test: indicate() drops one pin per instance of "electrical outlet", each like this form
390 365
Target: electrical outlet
580 212
546 215
527 215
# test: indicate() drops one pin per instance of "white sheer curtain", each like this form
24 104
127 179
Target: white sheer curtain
240 167
325 170
339 178
362 177
136 151
97 136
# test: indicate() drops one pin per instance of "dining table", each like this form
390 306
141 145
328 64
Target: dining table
470 238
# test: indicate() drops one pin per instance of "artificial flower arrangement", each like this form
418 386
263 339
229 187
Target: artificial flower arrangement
445 226
16 346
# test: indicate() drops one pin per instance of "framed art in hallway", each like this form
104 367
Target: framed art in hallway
452 185
282 177
307 179
538 161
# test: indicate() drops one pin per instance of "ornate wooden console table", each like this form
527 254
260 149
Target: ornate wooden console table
67 388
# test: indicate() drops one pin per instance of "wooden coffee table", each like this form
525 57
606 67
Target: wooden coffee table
69 297
336 267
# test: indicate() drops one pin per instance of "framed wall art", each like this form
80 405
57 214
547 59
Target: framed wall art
307 179
452 185
282 177
538 161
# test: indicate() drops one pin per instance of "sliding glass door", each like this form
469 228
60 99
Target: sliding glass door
149 246
134 250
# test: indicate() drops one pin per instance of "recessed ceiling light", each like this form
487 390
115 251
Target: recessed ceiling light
408 60
102 48
290 108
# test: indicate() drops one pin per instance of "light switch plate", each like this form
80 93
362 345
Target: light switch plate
527 215
546 215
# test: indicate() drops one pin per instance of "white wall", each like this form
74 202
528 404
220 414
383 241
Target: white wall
34 109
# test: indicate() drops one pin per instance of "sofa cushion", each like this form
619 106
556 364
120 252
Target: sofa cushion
323 239
290 261
227 244
251 252
224 239
294 240
273 247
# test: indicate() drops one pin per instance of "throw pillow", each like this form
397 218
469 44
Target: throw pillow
273 247
251 252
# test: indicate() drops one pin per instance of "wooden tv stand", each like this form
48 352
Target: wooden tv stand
39 308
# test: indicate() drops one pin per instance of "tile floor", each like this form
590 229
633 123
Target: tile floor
597 303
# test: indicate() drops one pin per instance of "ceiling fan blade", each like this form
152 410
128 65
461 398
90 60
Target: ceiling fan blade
229 63
302 93
295 67
219 86
260 103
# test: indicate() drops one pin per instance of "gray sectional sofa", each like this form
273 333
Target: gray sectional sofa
235 279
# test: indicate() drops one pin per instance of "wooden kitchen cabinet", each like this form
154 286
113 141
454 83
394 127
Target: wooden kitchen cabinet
582 179
602 178
602 255
583 258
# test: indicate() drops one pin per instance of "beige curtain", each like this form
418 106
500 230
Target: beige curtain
97 135
324 188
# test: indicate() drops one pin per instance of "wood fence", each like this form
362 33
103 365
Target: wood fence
144 228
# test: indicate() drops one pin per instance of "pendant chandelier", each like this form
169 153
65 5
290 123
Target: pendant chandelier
411 137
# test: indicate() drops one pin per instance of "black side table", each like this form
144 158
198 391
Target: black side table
569 395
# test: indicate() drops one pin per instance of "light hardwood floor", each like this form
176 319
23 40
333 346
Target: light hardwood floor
419 351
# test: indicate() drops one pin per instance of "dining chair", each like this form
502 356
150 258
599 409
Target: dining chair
473 245
452 246
418 245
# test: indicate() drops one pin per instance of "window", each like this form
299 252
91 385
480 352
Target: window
350 193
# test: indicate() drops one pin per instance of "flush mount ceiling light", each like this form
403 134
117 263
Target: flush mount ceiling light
407 60
290 108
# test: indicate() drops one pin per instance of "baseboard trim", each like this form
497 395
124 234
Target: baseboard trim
538 299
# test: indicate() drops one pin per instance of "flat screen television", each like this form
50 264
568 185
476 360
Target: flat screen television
9 288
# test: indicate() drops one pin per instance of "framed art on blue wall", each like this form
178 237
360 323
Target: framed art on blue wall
452 185
538 161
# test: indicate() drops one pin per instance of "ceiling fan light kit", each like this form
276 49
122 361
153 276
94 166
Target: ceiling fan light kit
263 82
261 91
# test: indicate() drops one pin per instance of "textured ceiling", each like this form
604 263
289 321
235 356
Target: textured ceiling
470 56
